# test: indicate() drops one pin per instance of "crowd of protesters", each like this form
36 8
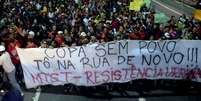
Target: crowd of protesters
66 23
58 23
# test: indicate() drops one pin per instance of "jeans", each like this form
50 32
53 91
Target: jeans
12 80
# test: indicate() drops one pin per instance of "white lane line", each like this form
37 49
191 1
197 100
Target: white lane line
141 99
37 94
181 3
167 7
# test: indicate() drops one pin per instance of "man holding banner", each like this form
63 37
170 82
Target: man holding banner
9 68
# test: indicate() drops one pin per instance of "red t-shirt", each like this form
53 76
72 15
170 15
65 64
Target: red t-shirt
32 45
59 40
134 36
13 52
115 24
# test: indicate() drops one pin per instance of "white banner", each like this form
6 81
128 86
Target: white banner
120 61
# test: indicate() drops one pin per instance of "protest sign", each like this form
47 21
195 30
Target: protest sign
197 14
147 3
120 61
136 5
160 18
132 6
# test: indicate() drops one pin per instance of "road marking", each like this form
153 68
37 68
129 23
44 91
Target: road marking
37 95
167 7
141 99
184 4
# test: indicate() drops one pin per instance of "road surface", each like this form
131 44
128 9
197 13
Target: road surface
172 7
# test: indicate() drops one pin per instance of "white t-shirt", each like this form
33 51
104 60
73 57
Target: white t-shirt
6 62
76 1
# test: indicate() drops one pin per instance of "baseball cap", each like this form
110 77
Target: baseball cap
60 32
31 33
83 34
2 48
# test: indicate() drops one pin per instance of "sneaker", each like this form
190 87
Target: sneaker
2 91
38 89
22 94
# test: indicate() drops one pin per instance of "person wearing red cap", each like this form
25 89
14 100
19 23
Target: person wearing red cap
9 68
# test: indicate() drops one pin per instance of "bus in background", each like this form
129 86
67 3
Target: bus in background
197 13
